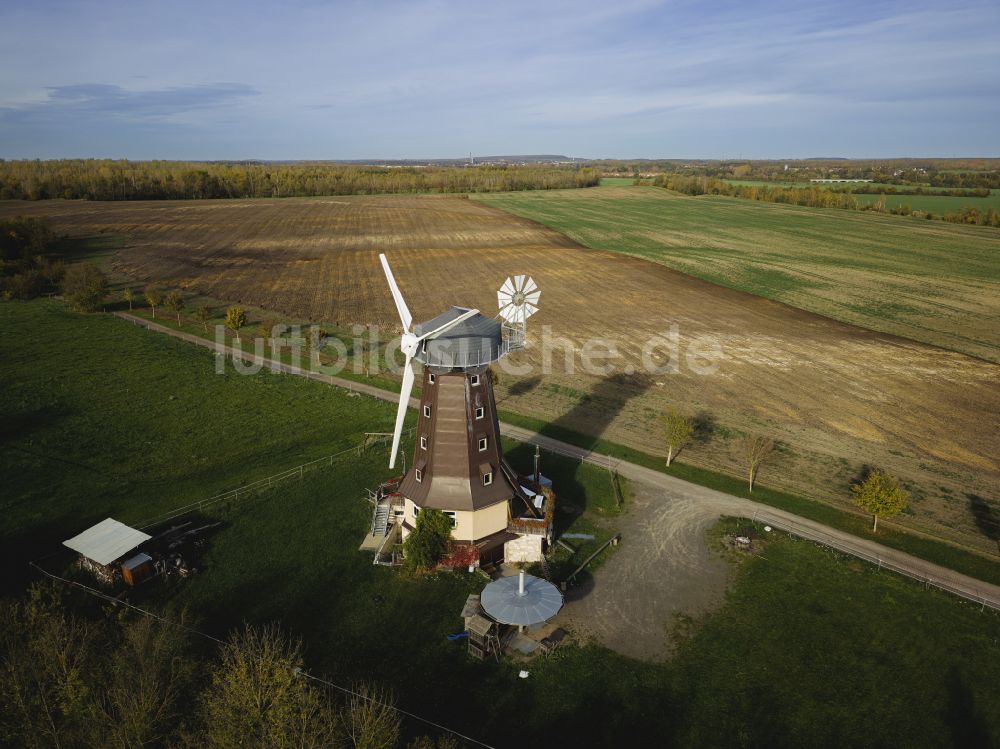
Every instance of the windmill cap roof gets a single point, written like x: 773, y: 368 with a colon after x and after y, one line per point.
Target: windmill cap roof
x: 477, y: 326
x: 474, y: 341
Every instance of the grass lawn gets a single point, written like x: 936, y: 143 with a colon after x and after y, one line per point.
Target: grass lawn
x: 940, y: 552
x: 103, y: 418
x: 930, y: 281
x: 809, y: 649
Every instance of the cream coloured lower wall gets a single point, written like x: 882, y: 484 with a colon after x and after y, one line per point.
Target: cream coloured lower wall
x: 469, y: 525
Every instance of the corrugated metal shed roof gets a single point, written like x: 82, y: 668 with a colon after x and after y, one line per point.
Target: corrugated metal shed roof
x: 107, y: 541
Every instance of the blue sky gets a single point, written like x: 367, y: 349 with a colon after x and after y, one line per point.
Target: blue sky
x: 434, y: 78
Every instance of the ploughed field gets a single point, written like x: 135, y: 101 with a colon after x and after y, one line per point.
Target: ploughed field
x: 931, y: 281
x: 838, y: 397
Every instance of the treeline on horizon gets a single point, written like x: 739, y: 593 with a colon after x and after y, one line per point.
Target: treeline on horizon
x: 105, y: 179
x: 816, y: 197
x: 954, y: 173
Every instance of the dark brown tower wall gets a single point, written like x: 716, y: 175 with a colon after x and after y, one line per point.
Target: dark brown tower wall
x: 451, y: 465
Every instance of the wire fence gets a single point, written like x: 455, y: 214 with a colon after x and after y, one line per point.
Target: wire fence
x: 981, y: 597
x: 254, y: 487
x: 975, y: 596
x: 298, y: 671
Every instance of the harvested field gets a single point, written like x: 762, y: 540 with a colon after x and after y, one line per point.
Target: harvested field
x: 837, y: 396
x: 927, y: 280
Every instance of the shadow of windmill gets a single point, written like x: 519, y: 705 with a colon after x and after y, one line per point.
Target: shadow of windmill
x: 583, y: 424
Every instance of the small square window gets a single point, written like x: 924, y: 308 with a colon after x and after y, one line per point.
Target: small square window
x: 482, y: 444
x: 487, y: 478
x: 480, y: 412
x: 452, y: 516
x: 419, y: 476
x: 431, y: 378
x: 423, y: 442
x: 475, y: 380
x: 427, y: 411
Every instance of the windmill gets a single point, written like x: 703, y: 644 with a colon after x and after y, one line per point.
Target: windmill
x: 458, y: 465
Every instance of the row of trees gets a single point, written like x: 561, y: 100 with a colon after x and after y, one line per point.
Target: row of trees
x: 816, y: 197
x: 88, y: 678
x: 97, y: 179
x: 878, y: 492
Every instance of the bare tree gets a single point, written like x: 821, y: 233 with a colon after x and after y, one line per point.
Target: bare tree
x: 677, y: 430
x: 146, y: 683
x: 175, y: 303
x: 259, y: 699
x: 203, y: 313
x: 371, y: 718
x: 756, y: 449
x: 46, y: 656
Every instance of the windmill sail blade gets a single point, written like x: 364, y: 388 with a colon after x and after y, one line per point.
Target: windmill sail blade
x: 532, y: 298
x: 448, y: 325
x: 404, y: 313
x: 508, y: 287
x: 519, y: 282
x: 404, y: 403
x: 530, y: 286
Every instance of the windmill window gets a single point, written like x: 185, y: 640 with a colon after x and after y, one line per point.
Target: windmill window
x: 419, y: 476
x: 416, y: 510
x: 487, y: 478
x: 423, y: 441
x: 452, y: 516
x: 427, y: 411
x: 480, y: 412
x: 483, y: 444
x: 474, y: 380
x: 431, y: 378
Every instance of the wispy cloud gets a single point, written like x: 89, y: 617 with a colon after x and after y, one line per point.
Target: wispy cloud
x: 107, y: 100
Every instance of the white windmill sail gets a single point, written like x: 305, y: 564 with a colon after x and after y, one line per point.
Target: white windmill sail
x: 409, y: 345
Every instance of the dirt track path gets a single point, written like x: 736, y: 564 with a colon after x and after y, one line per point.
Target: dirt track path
x: 663, y: 533
x: 663, y: 568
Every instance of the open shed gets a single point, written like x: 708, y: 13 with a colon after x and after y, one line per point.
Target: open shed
x: 105, y: 543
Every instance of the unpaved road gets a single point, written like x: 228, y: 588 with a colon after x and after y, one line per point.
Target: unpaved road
x: 662, y: 568
x: 663, y: 548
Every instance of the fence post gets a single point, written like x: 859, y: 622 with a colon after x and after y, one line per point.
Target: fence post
x: 300, y: 471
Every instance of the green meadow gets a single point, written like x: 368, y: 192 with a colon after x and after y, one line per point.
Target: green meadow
x: 808, y: 649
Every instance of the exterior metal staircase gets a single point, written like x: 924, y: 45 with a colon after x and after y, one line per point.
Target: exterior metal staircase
x: 380, y: 518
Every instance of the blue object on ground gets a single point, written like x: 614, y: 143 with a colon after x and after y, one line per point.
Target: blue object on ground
x: 458, y: 635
